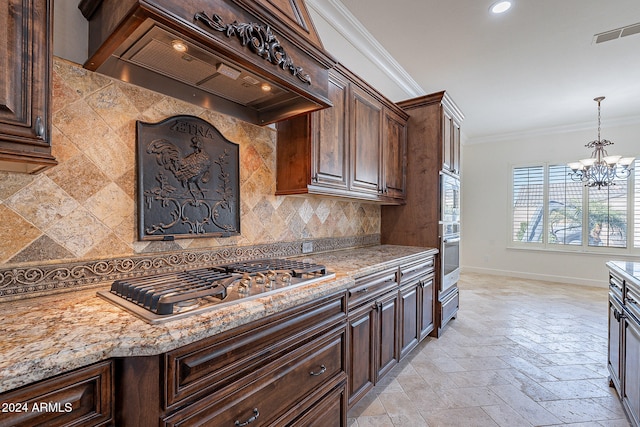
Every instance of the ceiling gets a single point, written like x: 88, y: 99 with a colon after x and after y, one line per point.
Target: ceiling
x: 532, y: 69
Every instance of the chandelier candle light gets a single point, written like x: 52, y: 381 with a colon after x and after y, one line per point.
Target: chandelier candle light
x: 601, y: 169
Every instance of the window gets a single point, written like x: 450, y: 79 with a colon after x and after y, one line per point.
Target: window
x: 551, y: 210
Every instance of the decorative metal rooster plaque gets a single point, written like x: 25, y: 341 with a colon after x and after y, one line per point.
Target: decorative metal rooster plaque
x: 188, y: 180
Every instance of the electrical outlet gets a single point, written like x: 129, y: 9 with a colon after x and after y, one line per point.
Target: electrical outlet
x: 307, y: 247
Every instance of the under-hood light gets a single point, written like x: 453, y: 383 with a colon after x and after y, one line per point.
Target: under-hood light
x: 179, y: 45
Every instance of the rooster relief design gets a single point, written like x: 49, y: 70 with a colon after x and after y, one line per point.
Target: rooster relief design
x: 181, y: 195
x: 192, y: 169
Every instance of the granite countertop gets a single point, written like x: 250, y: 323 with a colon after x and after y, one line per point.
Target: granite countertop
x: 49, y: 335
x: 629, y: 269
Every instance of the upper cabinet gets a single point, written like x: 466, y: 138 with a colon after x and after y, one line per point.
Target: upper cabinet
x: 25, y: 52
x: 355, y: 149
x: 394, y: 144
x: 451, y: 119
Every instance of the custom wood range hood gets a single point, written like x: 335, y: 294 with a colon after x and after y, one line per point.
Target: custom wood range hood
x: 260, y: 61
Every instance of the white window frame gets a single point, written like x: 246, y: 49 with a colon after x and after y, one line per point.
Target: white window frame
x: 630, y: 250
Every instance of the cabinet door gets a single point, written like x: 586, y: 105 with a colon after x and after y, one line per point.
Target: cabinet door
x: 330, y: 145
x: 25, y: 53
x: 631, y: 371
x: 615, y: 311
x: 387, y: 334
x: 394, y: 155
x: 425, y: 299
x: 409, y: 309
x: 361, y: 352
x: 79, y: 398
x: 366, y: 142
x: 447, y: 141
x: 455, y: 147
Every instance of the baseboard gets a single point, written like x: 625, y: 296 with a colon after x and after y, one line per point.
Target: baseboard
x: 534, y: 276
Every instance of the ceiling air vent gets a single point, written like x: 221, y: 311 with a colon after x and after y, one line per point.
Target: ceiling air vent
x: 617, y: 33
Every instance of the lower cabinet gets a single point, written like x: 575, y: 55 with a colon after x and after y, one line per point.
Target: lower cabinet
x: 631, y: 369
x: 83, y: 397
x: 416, y: 303
x: 372, y: 331
x: 624, y: 338
x: 272, y: 372
x: 305, y: 366
x: 389, y: 313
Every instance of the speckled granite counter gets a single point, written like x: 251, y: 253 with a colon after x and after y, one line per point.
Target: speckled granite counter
x: 628, y: 269
x: 50, y: 335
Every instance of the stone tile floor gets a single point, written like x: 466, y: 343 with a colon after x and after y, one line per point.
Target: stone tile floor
x: 520, y: 353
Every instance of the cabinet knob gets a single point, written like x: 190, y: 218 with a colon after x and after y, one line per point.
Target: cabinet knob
x: 39, y: 128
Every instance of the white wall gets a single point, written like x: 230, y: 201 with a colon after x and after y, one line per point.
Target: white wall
x: 486, y: 174
x: 70, y: 31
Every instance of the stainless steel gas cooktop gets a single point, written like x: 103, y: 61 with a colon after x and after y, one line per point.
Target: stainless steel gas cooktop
x: 170, y: 296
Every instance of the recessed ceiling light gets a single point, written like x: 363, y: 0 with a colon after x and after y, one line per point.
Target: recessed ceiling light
x: 500, y: 6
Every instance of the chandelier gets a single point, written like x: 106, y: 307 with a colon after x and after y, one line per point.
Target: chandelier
x: 601, y: 169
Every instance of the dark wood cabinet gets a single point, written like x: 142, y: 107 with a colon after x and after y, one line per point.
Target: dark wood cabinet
x: 355, y: 149
x: 387, y: 334
x: 616, y: 325
x: 426, y: 319
x: 361, y: 360
x: 83, y: 397
x: 372, y: 329
x: 409, y: 306
x: 450, y: 140
x: 25, y: 96
x: 394, y: 156
x: 624, y: 336
x: 366, y: 142
x: 275, y: 371
x: 631, y: 369
x: 331, y: 142
x: 433, y: 145
x: 388, y: 315
x: 416, y: 303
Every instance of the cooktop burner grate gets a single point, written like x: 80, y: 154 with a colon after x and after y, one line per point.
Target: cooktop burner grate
x: 159, y: 293
x: 174, y: 295
x: 296, y: 268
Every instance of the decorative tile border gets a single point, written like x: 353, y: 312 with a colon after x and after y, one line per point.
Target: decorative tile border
x: 30, y: 281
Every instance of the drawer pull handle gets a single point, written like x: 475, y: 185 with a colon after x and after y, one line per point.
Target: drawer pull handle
x: 322, y: 370
x: 250, y: 420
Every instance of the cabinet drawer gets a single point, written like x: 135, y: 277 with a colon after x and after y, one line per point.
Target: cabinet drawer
x: 616, y: 286
x: 230, y: 359
x: 449, y: 307
x: 79, y: 398
x: 421, y: 268
x: 275, y: 390
x: 330, y: 411
x: 369, y: 287
x: 632, y: 302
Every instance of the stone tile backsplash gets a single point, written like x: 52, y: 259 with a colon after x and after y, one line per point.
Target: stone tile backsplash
x: 85, y: 208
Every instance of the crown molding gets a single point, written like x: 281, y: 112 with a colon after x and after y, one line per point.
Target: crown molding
x: 348, y: 26
x: 553, y: 130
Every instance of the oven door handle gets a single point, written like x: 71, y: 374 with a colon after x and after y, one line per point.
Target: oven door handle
x: 451, y: 240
